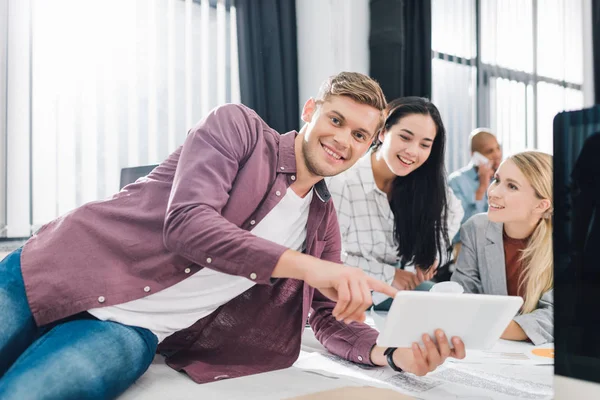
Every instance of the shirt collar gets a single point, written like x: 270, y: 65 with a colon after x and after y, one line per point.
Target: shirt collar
x: 364, y: 168
x: 286, y: 163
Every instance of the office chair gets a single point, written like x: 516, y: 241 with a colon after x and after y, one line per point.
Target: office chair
x: 132, y: 174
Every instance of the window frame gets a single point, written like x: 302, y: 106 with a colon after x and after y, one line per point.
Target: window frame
x: 486, y: 72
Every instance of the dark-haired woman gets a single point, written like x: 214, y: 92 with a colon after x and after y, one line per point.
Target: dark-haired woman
x: 393, y: 206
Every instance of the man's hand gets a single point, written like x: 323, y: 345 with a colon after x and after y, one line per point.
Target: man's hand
x: 350, y: 287
x: 422, y: 360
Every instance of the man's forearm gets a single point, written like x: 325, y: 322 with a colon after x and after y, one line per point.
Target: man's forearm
x: 293, y: 264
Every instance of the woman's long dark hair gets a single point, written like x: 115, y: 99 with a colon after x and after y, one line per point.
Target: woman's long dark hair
x: 418, y: 200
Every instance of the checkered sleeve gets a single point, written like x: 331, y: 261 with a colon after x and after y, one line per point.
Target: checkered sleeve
x: 359, y: 219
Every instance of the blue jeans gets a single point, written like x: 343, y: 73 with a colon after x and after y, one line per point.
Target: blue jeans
x: 76, y: 358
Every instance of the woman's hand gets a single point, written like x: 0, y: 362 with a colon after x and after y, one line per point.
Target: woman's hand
x: 514, y: 332
x: 431, y: 271
x: 406, y: 280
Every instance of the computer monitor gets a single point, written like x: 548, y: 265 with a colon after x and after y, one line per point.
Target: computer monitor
x: 577, y: 254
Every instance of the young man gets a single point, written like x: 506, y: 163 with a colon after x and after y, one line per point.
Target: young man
x: 470, y: 183
x: 215, y: 255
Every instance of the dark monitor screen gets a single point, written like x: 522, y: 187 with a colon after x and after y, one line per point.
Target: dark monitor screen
x: 577, y: 244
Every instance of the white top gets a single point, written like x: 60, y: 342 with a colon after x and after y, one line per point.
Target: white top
x: 181, y: 305
x: 367, y: 221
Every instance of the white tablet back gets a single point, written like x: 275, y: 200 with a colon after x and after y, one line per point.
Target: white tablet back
x: 478, y: 319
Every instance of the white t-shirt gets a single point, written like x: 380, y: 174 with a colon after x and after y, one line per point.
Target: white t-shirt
x: 181, y: 305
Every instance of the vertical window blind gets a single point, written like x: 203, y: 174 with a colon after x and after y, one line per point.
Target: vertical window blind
x: 112, y: 84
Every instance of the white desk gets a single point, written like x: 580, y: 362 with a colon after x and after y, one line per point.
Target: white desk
x: 451, y: 381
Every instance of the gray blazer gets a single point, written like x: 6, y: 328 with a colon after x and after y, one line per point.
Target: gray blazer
x: 481, y: 268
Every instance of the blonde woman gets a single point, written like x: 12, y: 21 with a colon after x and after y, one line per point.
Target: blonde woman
x: 508, y: 251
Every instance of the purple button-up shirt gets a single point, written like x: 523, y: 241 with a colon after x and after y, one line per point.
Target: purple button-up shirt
x: 195, y: 210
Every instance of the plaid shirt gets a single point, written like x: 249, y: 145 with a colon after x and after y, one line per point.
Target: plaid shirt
x: 367, y: 222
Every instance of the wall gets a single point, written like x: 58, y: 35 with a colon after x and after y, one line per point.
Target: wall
x: 333, y: 36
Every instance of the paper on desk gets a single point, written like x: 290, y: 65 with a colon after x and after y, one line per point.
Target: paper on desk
x: 507, y: 352
x: 448, y: 381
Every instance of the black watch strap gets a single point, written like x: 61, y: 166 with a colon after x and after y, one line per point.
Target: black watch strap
x: 389, y: 353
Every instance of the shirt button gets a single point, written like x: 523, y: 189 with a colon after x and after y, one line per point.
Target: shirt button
x: 187, y: 270
x: 101, y: 299
x: 278, y: 193
x: 359, y: 358
x: 209, y: 260
x: 253, y: 276
x: 282, y: 168
x: 252, y: 222
x: 147, y: 289
x: 293, y: 177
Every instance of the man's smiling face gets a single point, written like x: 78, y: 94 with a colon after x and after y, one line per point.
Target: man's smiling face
x: 339, y: 131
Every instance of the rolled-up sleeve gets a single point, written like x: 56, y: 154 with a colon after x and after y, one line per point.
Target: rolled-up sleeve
x: 352, y: 342
x: 208, y: 165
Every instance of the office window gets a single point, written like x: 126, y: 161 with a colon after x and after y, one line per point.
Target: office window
x: 114, y: 83
x: 510, y: 65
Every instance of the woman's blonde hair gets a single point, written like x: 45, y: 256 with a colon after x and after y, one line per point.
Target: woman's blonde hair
x: 537, y: 257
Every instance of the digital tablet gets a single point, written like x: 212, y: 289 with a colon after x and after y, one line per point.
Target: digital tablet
x: 478, y: 319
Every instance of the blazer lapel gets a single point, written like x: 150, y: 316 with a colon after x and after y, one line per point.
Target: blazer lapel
x: 494, y: 265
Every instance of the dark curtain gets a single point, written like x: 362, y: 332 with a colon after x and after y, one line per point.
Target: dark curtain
x: 268, y: 61
x: 596, y: 47
x: 400, y: 47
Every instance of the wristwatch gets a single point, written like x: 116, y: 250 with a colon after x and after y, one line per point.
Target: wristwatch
x: 389, y: 353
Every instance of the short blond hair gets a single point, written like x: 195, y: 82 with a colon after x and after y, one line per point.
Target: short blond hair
x: 359, y: 87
